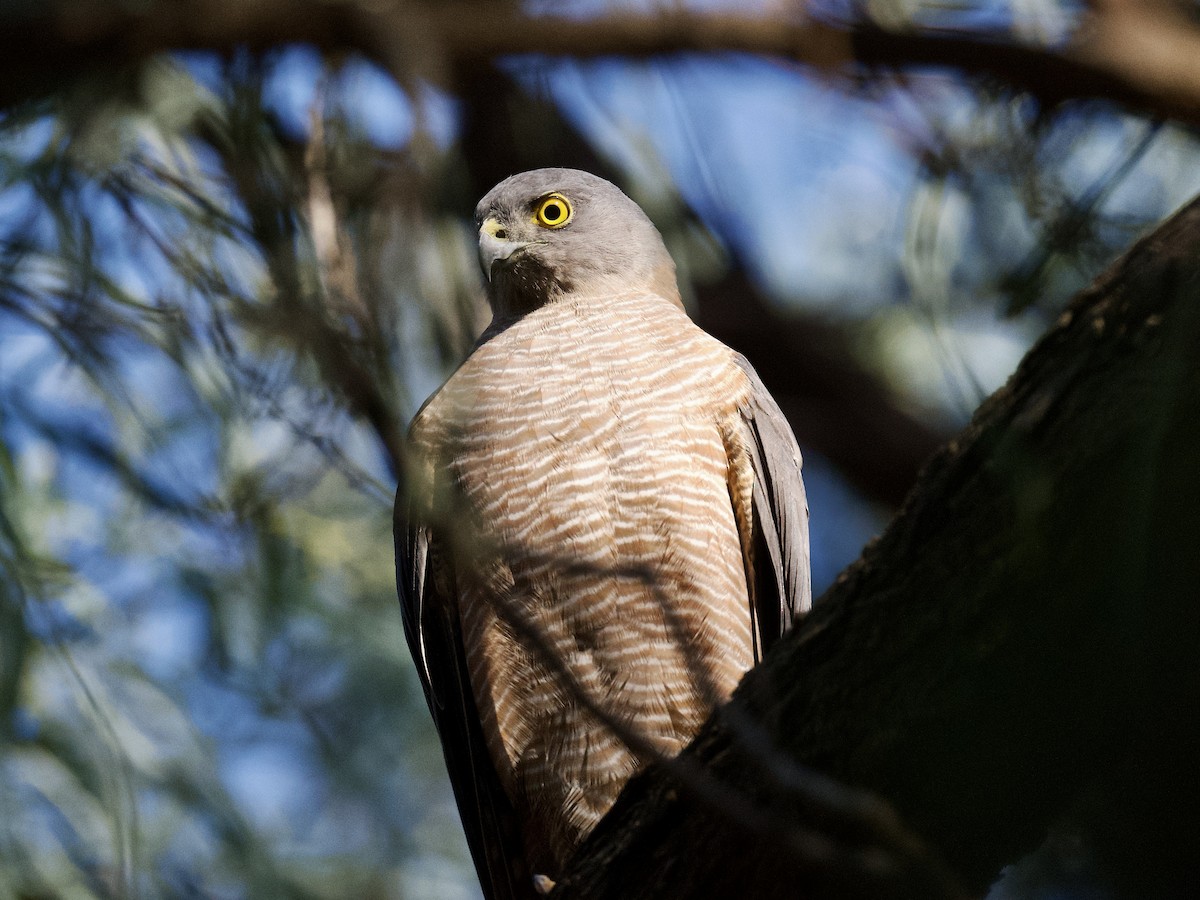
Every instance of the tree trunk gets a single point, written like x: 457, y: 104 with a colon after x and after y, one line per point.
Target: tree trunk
x: 1022, y: 642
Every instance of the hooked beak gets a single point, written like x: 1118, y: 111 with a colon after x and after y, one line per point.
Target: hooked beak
x: 494, y: 249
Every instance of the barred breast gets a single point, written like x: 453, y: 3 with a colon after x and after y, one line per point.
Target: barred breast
x: 598, y: 441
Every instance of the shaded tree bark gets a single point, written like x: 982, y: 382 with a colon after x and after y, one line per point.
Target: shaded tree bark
x: 1019, y: 643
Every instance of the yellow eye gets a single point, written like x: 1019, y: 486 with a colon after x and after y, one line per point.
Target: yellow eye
x: 554, y: 211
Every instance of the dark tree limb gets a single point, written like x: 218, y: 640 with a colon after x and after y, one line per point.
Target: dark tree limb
x: 1138, y: 53
x: 1020, y: 642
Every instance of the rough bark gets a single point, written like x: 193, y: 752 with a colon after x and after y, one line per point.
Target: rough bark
x: 1021, y: 641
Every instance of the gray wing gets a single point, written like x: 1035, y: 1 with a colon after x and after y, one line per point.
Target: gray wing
x: 783, y: 586
x: 434, y: 636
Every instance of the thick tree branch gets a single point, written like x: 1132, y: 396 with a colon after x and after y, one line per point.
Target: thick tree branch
x: 1021, y: 639
x: 1137, y: 54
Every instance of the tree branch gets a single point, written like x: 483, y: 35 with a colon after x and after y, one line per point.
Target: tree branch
x: 1140, y: 55
x: 1022, y: 637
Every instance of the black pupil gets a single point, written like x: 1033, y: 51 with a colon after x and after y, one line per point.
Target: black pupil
x: 552, y: 212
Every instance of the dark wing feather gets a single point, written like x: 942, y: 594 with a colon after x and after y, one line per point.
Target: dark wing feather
x: 783, y: 586
x: 435, y: 641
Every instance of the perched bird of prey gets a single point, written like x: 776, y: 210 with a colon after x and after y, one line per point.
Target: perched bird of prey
x: 605, y: 526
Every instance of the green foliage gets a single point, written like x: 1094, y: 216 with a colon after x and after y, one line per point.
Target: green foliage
x: 203, y: 684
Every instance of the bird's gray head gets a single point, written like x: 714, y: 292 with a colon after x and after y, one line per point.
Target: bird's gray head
x: 551, y: 233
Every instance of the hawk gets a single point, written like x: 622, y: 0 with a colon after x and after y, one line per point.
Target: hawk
x: 605, y: 526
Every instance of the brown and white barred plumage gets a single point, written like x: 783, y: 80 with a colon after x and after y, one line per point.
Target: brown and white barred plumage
x: 614, y: 454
